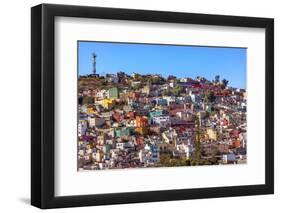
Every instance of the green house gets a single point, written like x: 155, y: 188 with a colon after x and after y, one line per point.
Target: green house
x: 122, y: 132
x: 107, y: 148
x: 155, y: 113
x: 113, y: 93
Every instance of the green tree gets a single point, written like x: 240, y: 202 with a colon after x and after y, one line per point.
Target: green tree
x: 87, y: 100
x: 207, y: 115
x: 165, y: 92
x: 137, y: 76
x: 177, y: 90
x: 210, y: 97
x: 217, y: 79
x: 197, y: 157
x: 155, y: 80
x: 224, y: 83
x: 137, y: 86
x: 171, y: 77
x: 164, y: 159
x: 188, y: 162
x: 193, y: 163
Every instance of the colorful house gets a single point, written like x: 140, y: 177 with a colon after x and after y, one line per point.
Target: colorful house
x: 96, y: 121
x: 122, y: 132
x: 146, y: 89
x: 82, y: 127
x: 91, y: 111
x: 212, y: 134
x: 113, y: 93
x: 155, y: 113
x: 162, y: 102
x: 141, y: 121
x: 141, y: 130
x: 107, y: 103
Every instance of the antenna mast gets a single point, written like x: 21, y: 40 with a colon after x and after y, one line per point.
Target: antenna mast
x: 94, y: 64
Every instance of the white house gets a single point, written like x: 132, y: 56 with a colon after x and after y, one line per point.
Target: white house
x: 169, y: 99
x: 82, y: 127
x: 113, y: 78
x: 143, y: 156
x: 120, y: 145
x: 101, y: 94
x: 162, y: 120
x: 169, y: 136
x: 185, y: 148
x: 94, y: 156
x: 150, y: 154
x: 135, y: 83
x: 228, y: 158
x: 96, y: 121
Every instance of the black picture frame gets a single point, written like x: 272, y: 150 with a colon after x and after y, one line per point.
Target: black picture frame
x: 43, y: 102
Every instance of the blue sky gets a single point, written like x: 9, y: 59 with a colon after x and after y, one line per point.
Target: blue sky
x: 181, y: 61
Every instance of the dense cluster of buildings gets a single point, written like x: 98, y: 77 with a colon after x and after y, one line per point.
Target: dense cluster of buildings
x: 132, y: 121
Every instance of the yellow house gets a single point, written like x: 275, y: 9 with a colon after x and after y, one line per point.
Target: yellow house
x: 99, y: 156
x: 91, y: 111
x: 141, y: 130
x: 212, y: 134
x: 107, y: 103
x: 81, y: 143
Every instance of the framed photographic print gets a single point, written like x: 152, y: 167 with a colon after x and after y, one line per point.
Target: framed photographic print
x: 139, y: 106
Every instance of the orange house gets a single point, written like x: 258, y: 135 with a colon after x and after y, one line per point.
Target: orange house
x: 237, y: 143
x: 141, y: 121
